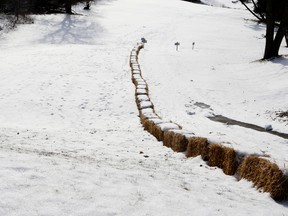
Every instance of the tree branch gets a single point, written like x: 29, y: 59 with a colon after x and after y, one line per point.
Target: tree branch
x: 252, y: 12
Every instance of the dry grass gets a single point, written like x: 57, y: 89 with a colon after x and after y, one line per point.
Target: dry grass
x: 179, y: 143
x: 168, y: 138
x: 157, y: 132
x: 148, y: 125
x: 265, y: 175
x: 222, y: 157
x: 197, y: 146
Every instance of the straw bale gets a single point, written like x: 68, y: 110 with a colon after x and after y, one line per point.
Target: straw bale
x: 230, y: 163
x: 137, y: 76
x: 197, y: 146
x: 215, y: 155
x: 145, y: 104
x: 140, y: 98
x: 142, y: 85
x: 141, y: 92
x: 138, y: 81
x: 147, y: 111
x: 149, y: 116
x: 179, y: 142
x: 133, y: 52
x: 161, y: 127
x: 154, y: 128
x: 168, y: 138
x: 169, y: 126
x: 135, y: 67
x: 148, y: 125
x: 136, y: 72
x: 135, y: 64
x: 265, y: 175
x: 157, y: 132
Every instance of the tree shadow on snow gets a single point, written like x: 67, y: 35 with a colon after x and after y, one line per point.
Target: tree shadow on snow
x: 73, y: 29
x: 282, y: 60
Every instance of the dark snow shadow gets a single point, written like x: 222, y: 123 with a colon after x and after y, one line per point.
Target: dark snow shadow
x: 73, y: 29
x: 283, y: 60
x: 228, y: 121
x: 255, y: 26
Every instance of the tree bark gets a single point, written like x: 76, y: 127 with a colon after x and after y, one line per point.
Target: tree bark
x: 281, y: 31
x: 68, y: 7
x: 269, y: 30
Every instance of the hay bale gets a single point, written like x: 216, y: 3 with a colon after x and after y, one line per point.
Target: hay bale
x: 152, y: 127
x: 179, y: 142
x: 147, y: 112
x: 161, y: 127
x: 149, y: 116
x: 148, y: 125
x: 136, y: 72
x: 137, y: 76
x: 142, y: 85
x: 230, y: 163
x: 138, y: 81
x: 168, y: 138
x: 141, y: 98
x: 222, y: 157
x: 145, y: 105
x: 157, y: 132
x: 265, y: 175
x: 215, y: 155
x: 197, y: 146
x: 141, y: 92
x: 135, y: 67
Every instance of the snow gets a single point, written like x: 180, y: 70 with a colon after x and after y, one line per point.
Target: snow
x: 71, y: 139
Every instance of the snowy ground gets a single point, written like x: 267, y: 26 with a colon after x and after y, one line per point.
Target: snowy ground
x: 71, y: 141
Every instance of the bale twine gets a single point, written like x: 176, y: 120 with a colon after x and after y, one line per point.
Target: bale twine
x: 265, y: 175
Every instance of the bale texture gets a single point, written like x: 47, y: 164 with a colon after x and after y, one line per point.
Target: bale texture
x: 168, y: 138
x: 265, y: 175
x: 179, y: 142
x: 197, y: 146
x: 222, y: 157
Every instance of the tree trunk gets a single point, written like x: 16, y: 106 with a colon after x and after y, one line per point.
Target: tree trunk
x: 282, y: 31
x: 286, y: 37
x: 68, y: 7
x: 269, y: 30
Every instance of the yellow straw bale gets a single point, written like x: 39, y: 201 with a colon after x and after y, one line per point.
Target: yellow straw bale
x: 222, y: 157
x: 265, y: 175
x: 230, y: 163
x: 197, y: 146
x: 157, y: 132
x: 179, y: 142
x: 168, y: 138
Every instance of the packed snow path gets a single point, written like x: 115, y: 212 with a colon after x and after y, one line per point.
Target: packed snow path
x: 70, y: 140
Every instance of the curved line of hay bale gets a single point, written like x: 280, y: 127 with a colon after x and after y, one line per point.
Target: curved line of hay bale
x: 263, y: 173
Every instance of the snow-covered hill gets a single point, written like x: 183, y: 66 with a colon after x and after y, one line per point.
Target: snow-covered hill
x: 71, y: 140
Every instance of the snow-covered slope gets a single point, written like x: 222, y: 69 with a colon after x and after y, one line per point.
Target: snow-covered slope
x: 71, y: 140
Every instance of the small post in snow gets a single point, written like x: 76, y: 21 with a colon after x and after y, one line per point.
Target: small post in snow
x: 193, y: 44
x: 177, y: 44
